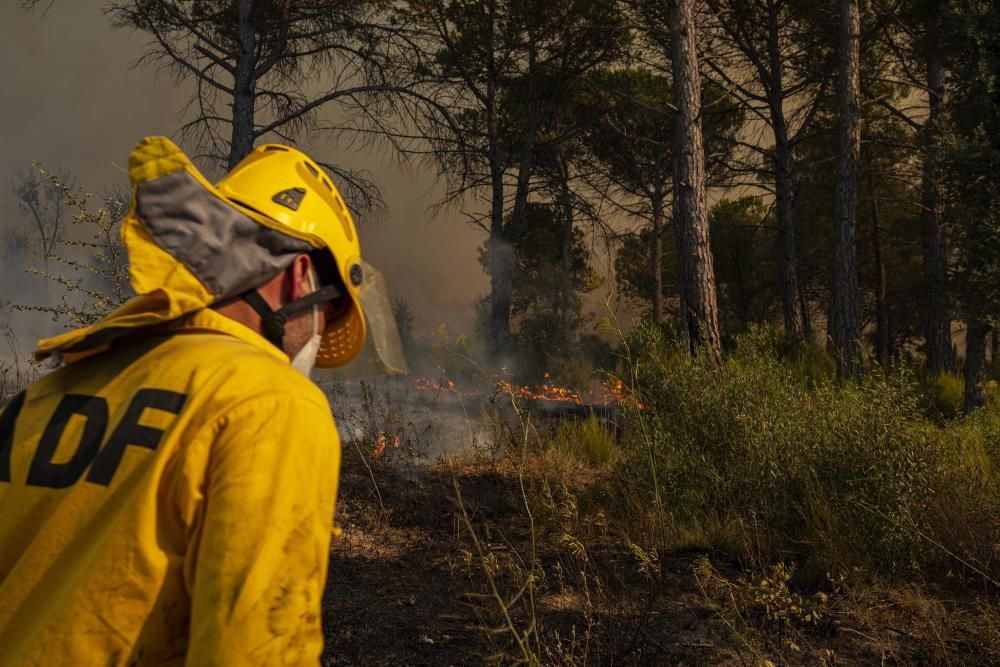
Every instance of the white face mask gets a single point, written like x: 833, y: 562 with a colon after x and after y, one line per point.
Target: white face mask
x: 305, y: 359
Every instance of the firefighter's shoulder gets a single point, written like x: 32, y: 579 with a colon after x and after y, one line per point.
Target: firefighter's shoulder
x: 234, y: 370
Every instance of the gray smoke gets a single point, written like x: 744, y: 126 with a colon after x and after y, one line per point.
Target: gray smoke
x: 74, y: 101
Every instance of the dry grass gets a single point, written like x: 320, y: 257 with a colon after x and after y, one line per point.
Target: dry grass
x: 16, y: 372
x: 532, y: 552
x: 760, y: 517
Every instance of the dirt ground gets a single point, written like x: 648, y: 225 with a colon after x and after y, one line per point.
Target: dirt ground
x: 399, y: 594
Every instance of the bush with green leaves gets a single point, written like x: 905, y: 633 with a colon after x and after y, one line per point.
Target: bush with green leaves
x: 944, y: 394
x: 586, y: 438
x: 754, y: 457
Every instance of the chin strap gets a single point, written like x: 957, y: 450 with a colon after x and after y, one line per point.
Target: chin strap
x: 272, y: 322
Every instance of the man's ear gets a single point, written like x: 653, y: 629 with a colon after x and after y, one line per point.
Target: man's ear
x: 298, y: 277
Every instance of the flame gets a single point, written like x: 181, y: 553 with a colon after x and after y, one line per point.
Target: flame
x: 381, y: 441
x: 546, y: 392
x: 611, y: 390
x: 429, y: 384
x: 605, y: 392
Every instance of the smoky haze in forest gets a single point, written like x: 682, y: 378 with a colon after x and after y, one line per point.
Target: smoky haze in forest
x: 74, y: 100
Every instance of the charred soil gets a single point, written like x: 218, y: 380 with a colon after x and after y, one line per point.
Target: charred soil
x: 409, y: 584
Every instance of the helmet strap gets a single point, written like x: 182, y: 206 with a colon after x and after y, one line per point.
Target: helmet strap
x: 272, y: 322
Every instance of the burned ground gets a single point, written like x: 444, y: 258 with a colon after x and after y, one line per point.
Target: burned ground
x: 408, y: 587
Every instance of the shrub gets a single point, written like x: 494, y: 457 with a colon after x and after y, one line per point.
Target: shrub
x: 16, y: 372
x: 447, y: 357
x: 585, y: 437
x: 811, y: 363
x: 755, y: 459
x: 91, y: 272
x: 944, y: 394
x: 577, y: 364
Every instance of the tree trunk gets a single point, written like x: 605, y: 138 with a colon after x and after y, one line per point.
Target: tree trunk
x: 807, y: 326
x: 658, y: 299
x: 502, y: 260
x: 521, y: 188
x: 526, y: 147
x: 700, y: 316
x: 497, y: 246
x: 566, y: 251
x: 938, y: 319
x: 883, y: 349
x: 504, y: 256
x: 787, y: 253
x: 975, y: 364
x: 845, y: 330
x: 244, y: 86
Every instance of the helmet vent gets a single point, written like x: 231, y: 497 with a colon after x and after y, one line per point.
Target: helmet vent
x: 245, y: 205
x: 276, y: 148
x: 290, y: 198
x: 312, y: 170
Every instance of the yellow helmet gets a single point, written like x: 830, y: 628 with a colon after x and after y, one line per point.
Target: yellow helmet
x: 294, y: 196
x: 192, y: 244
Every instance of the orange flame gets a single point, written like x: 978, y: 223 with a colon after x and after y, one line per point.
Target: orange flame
x: 381, y: 441
x: 547, y: 392
x: 429, y: 384
x: 604, y: 392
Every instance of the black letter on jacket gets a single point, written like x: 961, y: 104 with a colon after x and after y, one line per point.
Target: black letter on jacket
x: 43, y: 471
x: 131, y: 432
x: 7, y: 420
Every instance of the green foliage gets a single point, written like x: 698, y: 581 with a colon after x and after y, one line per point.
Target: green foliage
x: 626, y: 114
x: 451, y: 357
x: 945, y: 394
x: 626, y: 118
x: 973, y: 155
x: 539, y: 338
x: 577, y: 366
x: 545, y: 280
x: 543, y: 347
x: 586, y: 438
x: 811, y: 364
x: 634, y: 272
x: 887, y: 188
x: 742, y: 244
x: 751, y: 458
x: 548, y: 285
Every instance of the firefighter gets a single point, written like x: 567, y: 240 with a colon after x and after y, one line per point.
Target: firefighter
x: 168, y: 491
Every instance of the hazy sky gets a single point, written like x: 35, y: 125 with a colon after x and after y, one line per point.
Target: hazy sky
x: 72, y: 99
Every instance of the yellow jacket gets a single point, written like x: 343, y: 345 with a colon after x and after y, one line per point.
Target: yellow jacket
x: 167, y: 501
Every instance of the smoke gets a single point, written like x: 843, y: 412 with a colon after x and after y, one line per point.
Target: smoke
x: 74, y: 100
